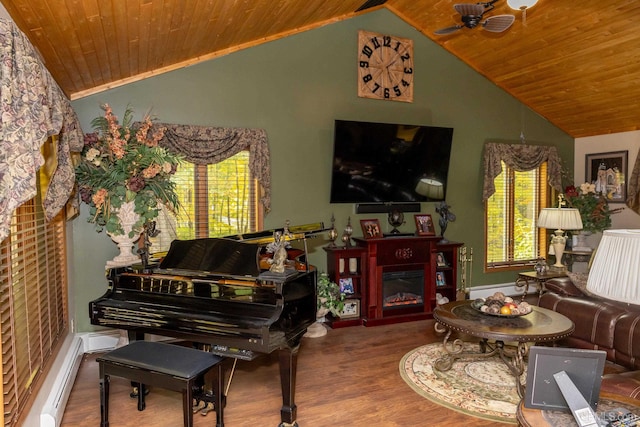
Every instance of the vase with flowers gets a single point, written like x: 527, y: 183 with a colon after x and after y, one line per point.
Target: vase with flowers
x: 594, y: 209
x: 125, y: 177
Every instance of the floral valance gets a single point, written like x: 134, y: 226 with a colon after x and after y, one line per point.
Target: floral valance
x: 522, y: 158
x: 206, y: 145
x: 33, y: 108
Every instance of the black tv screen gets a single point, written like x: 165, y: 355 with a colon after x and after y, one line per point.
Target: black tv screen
x: 383, y: 162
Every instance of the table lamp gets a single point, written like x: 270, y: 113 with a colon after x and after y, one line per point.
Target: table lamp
x: 560, y: 219
x: 430, y: 188
x: 614, y: 273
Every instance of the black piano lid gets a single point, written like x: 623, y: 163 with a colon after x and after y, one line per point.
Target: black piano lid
x: 217, y: 255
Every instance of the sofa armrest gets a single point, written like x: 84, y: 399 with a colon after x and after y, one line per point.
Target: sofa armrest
x: 563, y: 286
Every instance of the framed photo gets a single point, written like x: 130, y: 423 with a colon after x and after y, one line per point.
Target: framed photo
x: 351, y: 309
x: 441, y: 261
x: 424, y: 225
x: 371, y: 228
x: 440, y: 279
x: 608, y: 172
x: 346, y: 285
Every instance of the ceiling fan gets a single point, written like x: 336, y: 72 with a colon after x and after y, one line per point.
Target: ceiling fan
x: 472, y: 16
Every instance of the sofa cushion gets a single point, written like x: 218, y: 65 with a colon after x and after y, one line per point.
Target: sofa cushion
x: 594, y: 319
x: 627, y: 339
x: 563, y: 286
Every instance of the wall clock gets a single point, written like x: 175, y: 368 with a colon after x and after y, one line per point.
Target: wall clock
x: 385, y: 67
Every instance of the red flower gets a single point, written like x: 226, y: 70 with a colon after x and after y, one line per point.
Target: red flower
x: 135, y: 184
x: 571, y: 191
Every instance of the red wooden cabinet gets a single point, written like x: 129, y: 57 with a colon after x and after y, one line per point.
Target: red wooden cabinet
x: 401, y: 277
x: 347, y: 267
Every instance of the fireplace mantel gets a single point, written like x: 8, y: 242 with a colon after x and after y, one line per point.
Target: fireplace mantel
x: 410, y: 254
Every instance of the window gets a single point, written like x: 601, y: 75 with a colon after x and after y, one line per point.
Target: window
x: 33, y: 303
x: 512, y: 238
x: 216, y: 200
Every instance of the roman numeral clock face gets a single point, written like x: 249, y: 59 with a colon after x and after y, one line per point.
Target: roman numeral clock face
x: 385, y: 67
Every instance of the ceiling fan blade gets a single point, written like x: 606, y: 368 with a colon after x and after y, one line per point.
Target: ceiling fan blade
x: 448, y: 30
x: 498, y: 23
x: 468, y: 9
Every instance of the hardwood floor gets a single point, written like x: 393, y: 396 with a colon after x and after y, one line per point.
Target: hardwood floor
x: 350, y: 377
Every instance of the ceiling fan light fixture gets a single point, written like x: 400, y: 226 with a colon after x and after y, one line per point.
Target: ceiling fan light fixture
x: 521, y: 4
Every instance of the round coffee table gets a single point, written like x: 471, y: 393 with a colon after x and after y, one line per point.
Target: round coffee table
x: 541, y: 325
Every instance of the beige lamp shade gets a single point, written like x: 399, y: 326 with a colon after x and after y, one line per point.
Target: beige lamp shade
x: 615, y: 272
x: 430, y: 188
x: 560, y: 219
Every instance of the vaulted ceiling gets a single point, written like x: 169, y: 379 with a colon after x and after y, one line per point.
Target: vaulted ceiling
x: 576, y: 63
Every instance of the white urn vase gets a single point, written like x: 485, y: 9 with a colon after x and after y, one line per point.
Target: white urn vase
x: 317, y: 329
x: 128, y: 218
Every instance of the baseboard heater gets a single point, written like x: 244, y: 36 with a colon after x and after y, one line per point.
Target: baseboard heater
x: 53, y: 409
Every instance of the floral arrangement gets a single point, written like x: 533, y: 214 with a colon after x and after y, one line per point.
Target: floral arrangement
x: 330, y: 297
x: 593, y: 207
x: 118, y: 165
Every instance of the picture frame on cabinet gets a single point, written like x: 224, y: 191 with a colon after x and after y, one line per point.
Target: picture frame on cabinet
x: 424, y: 225
x: 371, y: 228
x: 346, y: 286
x: 351, y: 309
x: 440, y: 279
x: 608, y: 172
x: 441, y: 261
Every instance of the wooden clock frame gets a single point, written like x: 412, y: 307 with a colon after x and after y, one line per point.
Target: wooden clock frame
x: 385, y: 67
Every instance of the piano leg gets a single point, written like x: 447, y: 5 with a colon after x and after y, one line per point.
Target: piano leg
x: 288, y: 361
x: 135, y: 387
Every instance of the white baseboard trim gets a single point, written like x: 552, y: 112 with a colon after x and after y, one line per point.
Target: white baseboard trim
x: 100, y: 341
x: 48, y: 406
x: 488, y: 290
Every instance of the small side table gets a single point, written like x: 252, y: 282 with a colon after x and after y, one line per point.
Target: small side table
x: 571, y: 257
x: 538, y: 279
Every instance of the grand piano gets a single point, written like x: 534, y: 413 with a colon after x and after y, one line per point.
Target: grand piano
x: 217, y: 292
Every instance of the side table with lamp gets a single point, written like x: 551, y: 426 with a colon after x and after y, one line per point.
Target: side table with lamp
x: 560, y: 219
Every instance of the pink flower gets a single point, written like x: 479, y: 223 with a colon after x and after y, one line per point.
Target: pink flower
x: 99, y: 198
x: 151, y: 171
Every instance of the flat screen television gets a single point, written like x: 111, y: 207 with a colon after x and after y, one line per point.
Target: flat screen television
x: 383, y: 162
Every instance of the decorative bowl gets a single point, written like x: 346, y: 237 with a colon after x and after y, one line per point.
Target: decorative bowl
x: 501, y: 315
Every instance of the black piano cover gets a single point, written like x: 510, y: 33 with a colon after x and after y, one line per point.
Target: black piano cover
x: 222, y: 256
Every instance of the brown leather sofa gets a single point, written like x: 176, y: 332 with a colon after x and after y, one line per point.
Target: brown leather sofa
x: 601, y: 325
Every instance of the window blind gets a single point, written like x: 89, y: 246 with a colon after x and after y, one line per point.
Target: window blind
x: 33, y: 303
x: 216, y: 200
x: 512, y: 236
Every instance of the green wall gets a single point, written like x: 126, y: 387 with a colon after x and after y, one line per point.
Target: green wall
x: 295, y: 88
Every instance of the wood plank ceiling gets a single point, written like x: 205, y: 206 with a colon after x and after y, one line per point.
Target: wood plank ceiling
x: 573, y: 62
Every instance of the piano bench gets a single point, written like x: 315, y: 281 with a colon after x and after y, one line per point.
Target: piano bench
x: 168, y: 366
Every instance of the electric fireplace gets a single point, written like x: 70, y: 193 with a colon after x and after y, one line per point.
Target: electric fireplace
x: 402, y: 289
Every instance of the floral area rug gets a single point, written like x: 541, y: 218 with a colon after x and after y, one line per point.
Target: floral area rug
x: 483, y: 388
